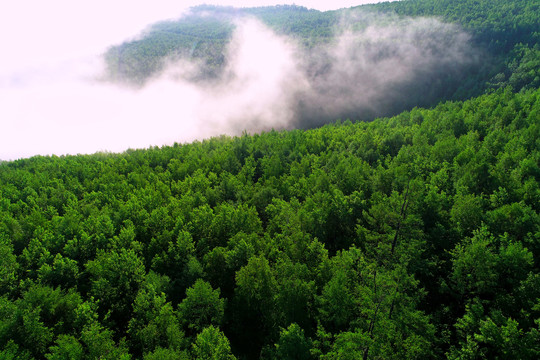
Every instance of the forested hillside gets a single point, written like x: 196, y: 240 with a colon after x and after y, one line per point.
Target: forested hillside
x: 203, y: 35
x: 415, y: 236
x: 506, y: 34
x: 508, y: 30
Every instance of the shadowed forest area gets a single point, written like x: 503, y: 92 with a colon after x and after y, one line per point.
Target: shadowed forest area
x: 411, y: 236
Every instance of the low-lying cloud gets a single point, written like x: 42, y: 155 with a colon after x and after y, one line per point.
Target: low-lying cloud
x: 269, y: 81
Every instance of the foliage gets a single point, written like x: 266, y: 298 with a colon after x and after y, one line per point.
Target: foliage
x: 414, y: 236
x: 408, y: 237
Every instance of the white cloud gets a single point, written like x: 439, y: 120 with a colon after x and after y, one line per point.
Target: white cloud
x: 49, y: 102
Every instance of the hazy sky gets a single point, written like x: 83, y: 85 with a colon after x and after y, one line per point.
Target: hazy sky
x: 49, y: 103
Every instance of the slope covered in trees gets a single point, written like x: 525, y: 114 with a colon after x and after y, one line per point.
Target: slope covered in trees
x: 506, y: 33
x: 416, y: 236
x: 508, y: 30
x: 203, y: 35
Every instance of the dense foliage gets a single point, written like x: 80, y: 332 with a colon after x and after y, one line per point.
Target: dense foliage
x: 410, y: 237
x: 416, y: 236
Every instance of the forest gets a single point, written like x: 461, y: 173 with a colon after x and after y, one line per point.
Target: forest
x: 412, y: 236
x: 506, y: 32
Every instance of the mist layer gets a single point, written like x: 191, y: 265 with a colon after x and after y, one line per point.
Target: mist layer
x: 371, y: 68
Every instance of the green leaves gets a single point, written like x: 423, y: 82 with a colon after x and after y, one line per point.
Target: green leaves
x: 8, y: 267
x: 494, y: 336
x: 405, y: 238
x: 211, y: 344
x: 293, y: 344
x: 154, y: 323
x: 67, y: 347
x: 116, y: 278
x: 483, y: 266
x: 202, y: 307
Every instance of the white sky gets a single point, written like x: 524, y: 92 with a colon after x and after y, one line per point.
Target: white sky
x: 49, y: 50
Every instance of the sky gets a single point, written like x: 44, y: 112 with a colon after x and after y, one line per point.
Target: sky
x: 50, y: 102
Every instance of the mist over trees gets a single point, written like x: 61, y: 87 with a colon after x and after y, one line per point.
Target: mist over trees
x: 449, y: 51
x: 413, y: 236
x: 345, y: 64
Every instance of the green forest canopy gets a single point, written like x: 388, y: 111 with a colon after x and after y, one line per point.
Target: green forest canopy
x: 415, y: 236
x: 410, y: 237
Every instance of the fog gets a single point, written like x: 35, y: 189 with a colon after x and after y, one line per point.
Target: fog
x: 391, y: 65
x: 269, y: 81
x: 376, y: 65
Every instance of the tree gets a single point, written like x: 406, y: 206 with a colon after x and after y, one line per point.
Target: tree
x: 485, y: 267
x: 293, y: 344
x: 296, y: 292
x: 179, y: 263
x: 212, y: 344
x: 254, y: 304
x: 201, y: 308
x: 8, y: 267
x: 166, y: 354
x: 99, y: 344
x: 116, y: 278
x: 67, y: 348
x: 493, y: 337
x: 154, y: 323
x: 349, y: 346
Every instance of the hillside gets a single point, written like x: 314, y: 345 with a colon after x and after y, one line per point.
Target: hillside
x: 415, y: 236
x: 505, y: 34
x: 411, y: 236
x: 203, y: 34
